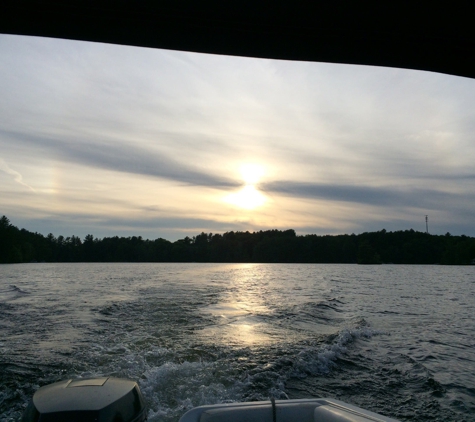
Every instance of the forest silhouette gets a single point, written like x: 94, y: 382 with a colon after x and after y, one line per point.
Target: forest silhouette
x: 270, y: 246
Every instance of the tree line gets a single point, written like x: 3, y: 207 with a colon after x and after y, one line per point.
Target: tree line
x: 270, y: 246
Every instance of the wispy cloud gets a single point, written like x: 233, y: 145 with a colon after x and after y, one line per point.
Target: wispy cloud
x: 375, y: 196
x: 16, y: 175
x: 121, y: 157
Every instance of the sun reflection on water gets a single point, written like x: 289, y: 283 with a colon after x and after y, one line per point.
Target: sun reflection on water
x: 243, y: 313
x: 238, y: 324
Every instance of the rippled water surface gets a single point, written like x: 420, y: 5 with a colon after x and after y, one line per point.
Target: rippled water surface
x: 398, y: 340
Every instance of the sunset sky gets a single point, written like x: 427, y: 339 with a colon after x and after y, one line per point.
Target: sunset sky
x: 113, y: 140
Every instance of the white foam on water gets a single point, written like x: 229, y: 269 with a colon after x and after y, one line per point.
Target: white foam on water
x: 171, y: 384
x: 173, y: 388
x: 321, y: 360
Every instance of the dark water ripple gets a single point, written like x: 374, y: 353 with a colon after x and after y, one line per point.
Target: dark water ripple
x: 393, y: 339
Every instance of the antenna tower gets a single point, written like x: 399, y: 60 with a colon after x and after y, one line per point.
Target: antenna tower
x: 427, y: 224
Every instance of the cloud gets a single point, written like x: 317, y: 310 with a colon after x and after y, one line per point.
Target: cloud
x: 375, y: 196
x: 17, y: 176
x: 184, y: 223
x: 122, y: 158
x: 384, y: 146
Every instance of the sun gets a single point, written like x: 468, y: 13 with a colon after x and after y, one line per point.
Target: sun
x: 248, y: 197
x: 251, y: 173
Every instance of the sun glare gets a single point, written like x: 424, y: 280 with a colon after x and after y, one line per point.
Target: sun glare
x: 251, y: 173
x: 248, y: 197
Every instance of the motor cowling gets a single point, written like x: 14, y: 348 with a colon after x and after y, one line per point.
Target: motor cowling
x: 103, y: 399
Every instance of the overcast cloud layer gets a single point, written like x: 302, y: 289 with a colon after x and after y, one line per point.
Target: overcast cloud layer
x: 115, y: 140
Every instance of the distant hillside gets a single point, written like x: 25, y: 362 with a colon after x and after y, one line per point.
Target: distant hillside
x: 401, y: 247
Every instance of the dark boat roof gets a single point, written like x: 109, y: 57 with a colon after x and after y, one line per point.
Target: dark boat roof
x: 415, y: 35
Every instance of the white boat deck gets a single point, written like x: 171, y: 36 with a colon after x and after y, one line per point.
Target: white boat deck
x: 302, y: 410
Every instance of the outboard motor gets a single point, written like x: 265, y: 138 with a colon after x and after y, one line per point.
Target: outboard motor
x: 87, y: 400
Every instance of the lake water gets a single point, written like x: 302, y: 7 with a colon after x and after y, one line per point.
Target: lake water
x: 397, y: 340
